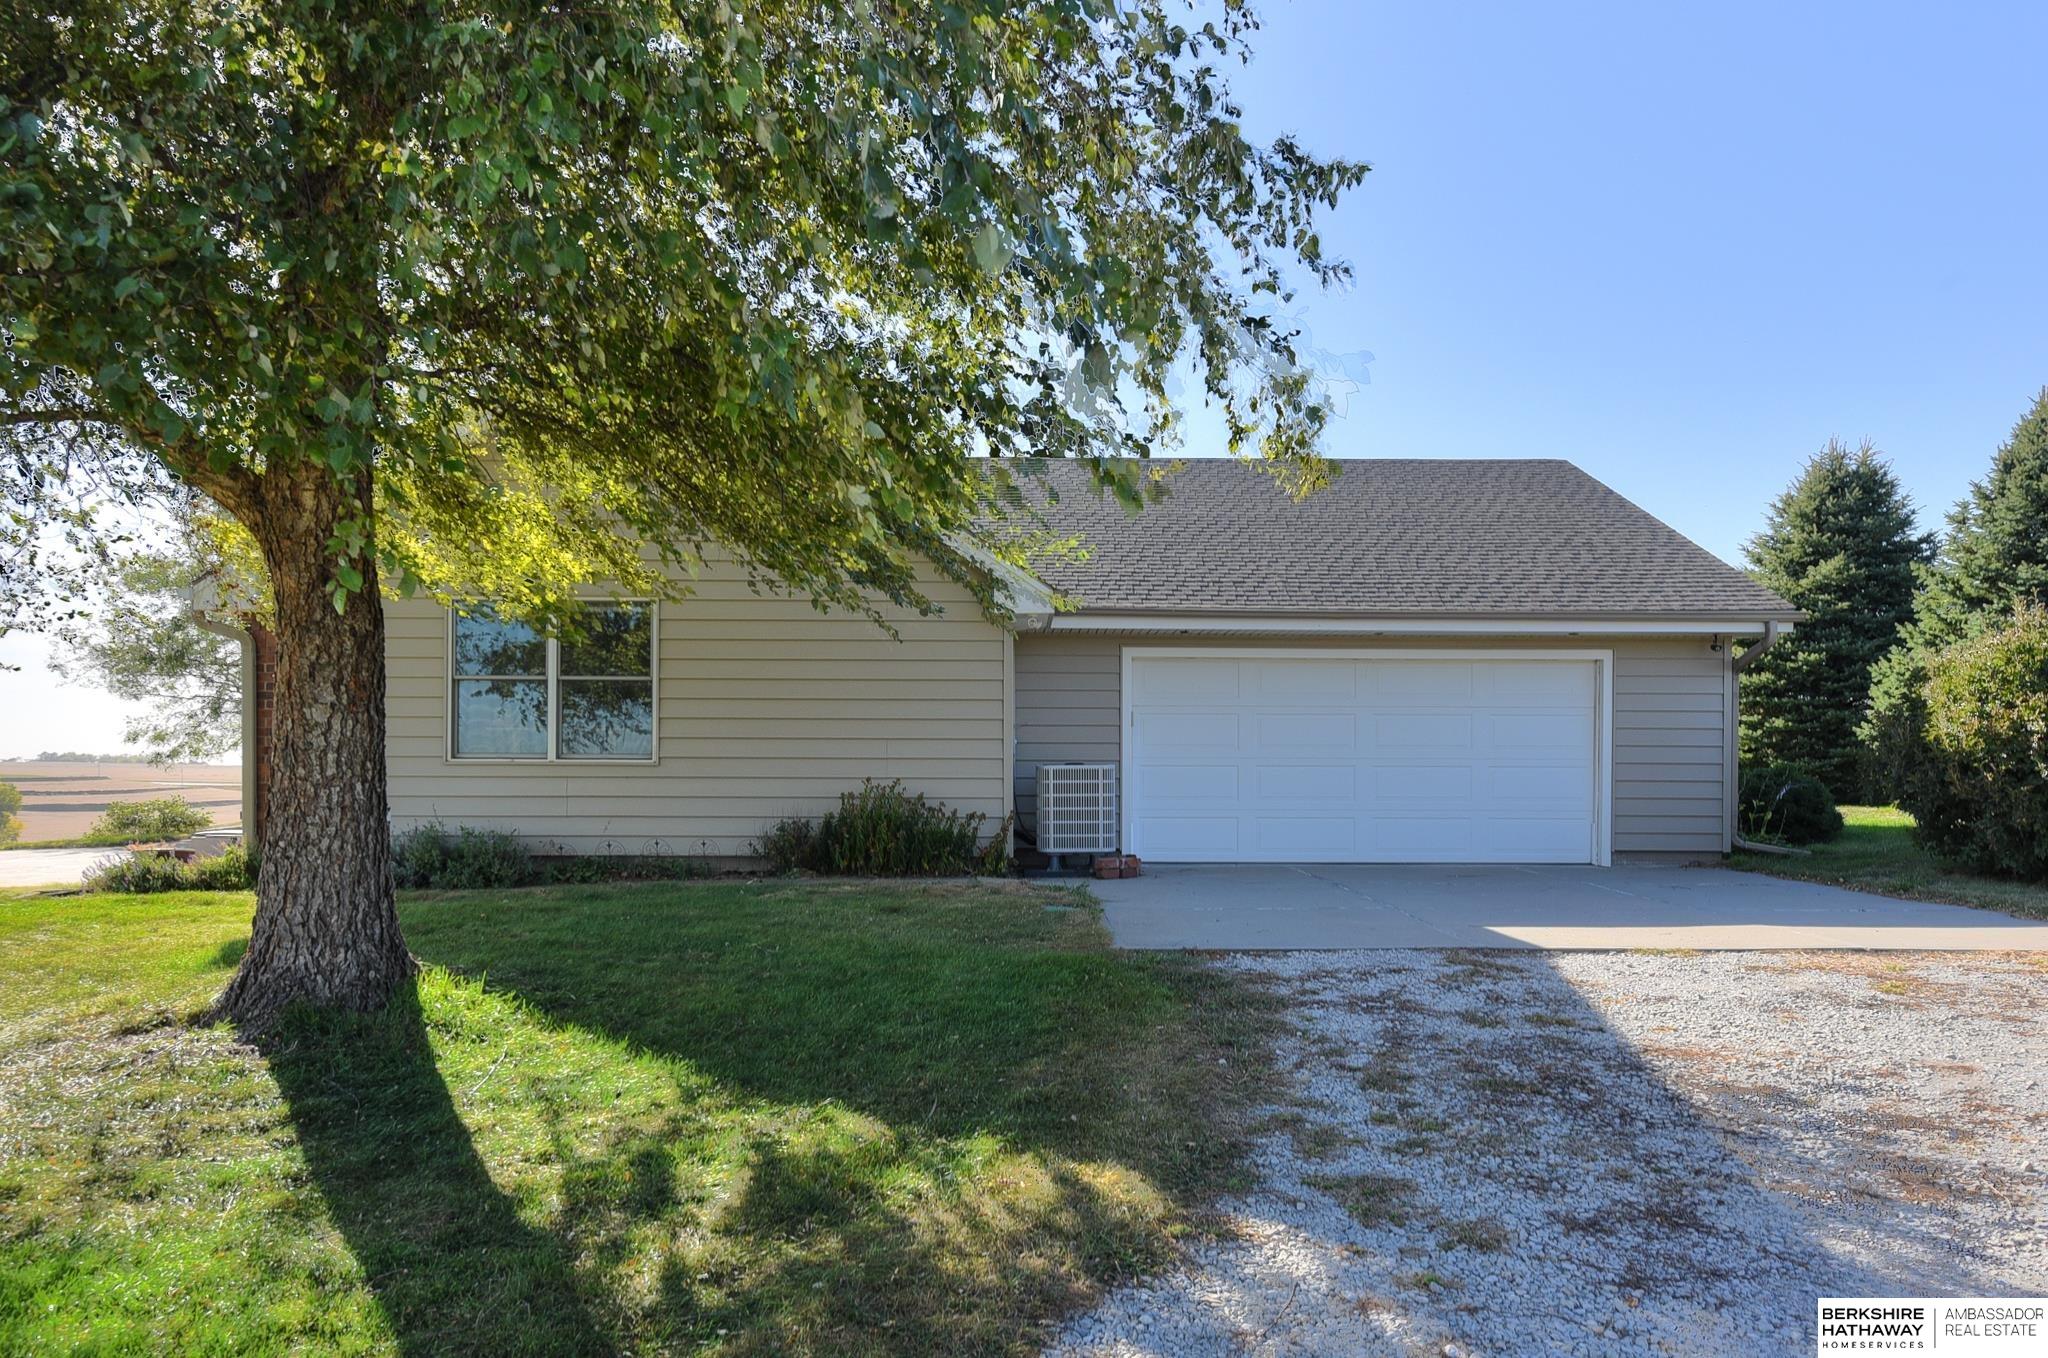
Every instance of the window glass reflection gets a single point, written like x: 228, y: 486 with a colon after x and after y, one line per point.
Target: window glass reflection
x: 606, y: 719
x: 501, y: 718
x: 616, y: 640
x: 487, y: 644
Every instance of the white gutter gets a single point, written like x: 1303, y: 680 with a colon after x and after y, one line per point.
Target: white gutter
x: 1736, y: 665
x: 1282, y: 624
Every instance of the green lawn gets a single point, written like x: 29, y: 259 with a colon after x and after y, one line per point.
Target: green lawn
x: 1876, y: 852
x: 724, y: 1118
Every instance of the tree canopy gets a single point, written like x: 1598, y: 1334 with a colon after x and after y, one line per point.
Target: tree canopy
x: 497, y: 300
x: 1840, y: 544
x: 763, y: 275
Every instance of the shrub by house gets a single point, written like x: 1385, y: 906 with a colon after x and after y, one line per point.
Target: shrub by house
x: 1970, y: 748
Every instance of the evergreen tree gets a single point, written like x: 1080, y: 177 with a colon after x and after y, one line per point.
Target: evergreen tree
x: 1993, y: 560
x: 1840, y: 544
x: 1995, y: 557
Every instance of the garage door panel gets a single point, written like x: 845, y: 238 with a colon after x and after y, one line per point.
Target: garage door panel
x: 1409, y: 839
x: 1315, y: 681
x: 1545, y: 839
x: 1306, y: 782
x: 1423, y: 731
x: 1306, y: 731
x: 1170, y: 733
x: 1306, y: 837
x: 1562, y: 787
x: 1521, y: 731
x: 1207, y: 837
x: 1539, y: 683
x: 1418, y: 683
x: 1346, y: 759
x: 1167, y: 784
x: 1186, y: 681
x: 1398, y: 783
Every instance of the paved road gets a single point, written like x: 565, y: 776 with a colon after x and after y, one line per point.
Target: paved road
x: 47, y: 867
x: 1276, y: 906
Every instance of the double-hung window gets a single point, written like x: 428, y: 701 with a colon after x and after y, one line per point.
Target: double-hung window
x: 517, y: 694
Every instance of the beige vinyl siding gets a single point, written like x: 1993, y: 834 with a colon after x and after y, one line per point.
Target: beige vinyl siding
x: 764, y: 708
x: 1670, y: 748
x: 1670, y: 736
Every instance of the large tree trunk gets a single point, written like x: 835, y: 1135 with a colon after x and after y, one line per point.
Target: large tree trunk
x: 326, y: 930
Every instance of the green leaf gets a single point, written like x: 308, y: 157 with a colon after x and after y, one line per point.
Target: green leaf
x: 1097, y: 366
x: 991, y: 251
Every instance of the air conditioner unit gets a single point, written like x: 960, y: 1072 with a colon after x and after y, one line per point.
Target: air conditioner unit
x: 1077, y: 808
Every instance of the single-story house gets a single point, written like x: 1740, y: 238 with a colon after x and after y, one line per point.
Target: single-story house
x: 1428, y: 661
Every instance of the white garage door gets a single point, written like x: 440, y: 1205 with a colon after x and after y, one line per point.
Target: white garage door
x: 1299, y: 759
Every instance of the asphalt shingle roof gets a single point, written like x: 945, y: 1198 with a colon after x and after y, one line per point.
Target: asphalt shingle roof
x: 1389, y: 537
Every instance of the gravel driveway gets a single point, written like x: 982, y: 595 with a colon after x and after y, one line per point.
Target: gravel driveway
x: 1494, y: 1153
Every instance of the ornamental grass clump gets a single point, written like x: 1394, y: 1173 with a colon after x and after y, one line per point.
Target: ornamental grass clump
x: 138, y: 874
x: 881, y: 830
x: 431, y: 857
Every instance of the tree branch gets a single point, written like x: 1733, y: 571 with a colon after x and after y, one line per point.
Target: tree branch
x: 76, y: 415
x: 233, y: 488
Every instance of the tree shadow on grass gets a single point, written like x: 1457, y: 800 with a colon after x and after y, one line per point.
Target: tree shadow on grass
x: 828, y: 1233
x: 815, y: 1254
x: 452, y: 1265
x: 898, y: 1124
x: 891, y: 1009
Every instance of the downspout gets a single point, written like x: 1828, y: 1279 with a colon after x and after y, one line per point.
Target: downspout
x: 1736, y: 665
x: 206, y: 623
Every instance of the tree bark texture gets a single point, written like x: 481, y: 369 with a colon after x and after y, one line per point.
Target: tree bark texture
x: 326, y: 931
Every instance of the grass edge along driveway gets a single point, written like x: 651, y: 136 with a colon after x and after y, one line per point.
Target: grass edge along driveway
x: 725, y: 1117
x: 1876, y: 852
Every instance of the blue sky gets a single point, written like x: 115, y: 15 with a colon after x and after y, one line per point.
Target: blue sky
x: 1679, y: 246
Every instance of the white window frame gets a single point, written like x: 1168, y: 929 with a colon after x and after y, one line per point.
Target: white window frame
x: 553, y: 677
x: 1603, y: 708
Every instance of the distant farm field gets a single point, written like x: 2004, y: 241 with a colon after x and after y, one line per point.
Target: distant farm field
x: 61, y: 801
